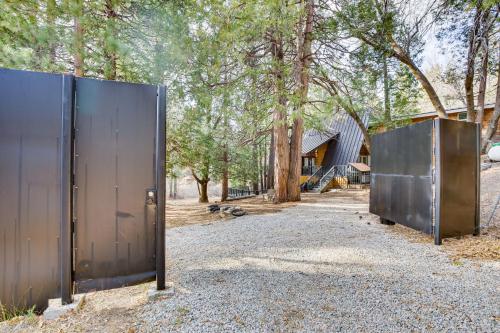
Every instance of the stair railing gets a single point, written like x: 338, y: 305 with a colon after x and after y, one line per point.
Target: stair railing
x: 334, y: 172
x: 314, y: 179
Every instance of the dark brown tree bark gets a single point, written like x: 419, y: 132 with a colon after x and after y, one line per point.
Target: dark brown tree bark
x: 280, y: 123
x: 203, y: 192
x: 304, y: 58
x: 493, y: 123
x: 202, y: 184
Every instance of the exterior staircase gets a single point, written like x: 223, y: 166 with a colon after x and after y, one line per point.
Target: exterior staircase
x: 320, y: 180
x: 323, y: 183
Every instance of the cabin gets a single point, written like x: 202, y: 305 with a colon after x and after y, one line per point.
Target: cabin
x: 461, y: 114
x: 337, y: 157
x: 334, y: 156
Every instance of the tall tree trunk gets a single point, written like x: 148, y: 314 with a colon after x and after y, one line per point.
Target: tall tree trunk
x: 482, y: 84
x: 255, y: 176
x: 304, y: 57
x: 471, y: 62
x: 493, y: 123
x: 387, y: 102
x: 270, y: 164
x: 79, y: 46
x: 109, y: 47
x: 202, y: 184
x: 262, y: 165
x: 203, y: 191
x: 280, y: 124
x: 225, y: 175
x: 402, y: 56
x: 281, y: 152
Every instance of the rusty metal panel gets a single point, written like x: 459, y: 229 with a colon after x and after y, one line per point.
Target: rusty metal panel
x: 458, y: 173
x: 114, y: 171
x: 31, y: 106
x: 401, y: 177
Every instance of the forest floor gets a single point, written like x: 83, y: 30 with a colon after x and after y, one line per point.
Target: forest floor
x: 324, y: 264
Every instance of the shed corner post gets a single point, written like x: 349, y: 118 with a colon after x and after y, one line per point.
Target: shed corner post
x: 160, y: 185
x: 66, y: 179
x: 477, y: 226
x: 437, y: 181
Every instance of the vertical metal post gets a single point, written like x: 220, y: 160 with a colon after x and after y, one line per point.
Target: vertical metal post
x: 437, y: 181
x: 477, y: 174
x: 160, y: 186
x: 65, y: 187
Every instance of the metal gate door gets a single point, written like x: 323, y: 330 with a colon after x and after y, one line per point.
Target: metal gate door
x: 115, y: 181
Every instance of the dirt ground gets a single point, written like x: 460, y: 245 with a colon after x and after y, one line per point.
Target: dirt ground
x: 190, y: 211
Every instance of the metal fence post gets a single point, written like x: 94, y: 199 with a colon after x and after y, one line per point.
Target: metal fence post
x: 160, y: 186
x: 477, y: 228
x: 437, y: 182
x: 66, y: 156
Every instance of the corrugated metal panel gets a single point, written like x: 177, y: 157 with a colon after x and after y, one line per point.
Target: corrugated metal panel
x: 30, y: 203
x: 115, y: 167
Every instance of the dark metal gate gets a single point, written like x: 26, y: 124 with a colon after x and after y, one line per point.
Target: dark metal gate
x: 82, y: 185
x: 426, y: 176
x: 115, y: 130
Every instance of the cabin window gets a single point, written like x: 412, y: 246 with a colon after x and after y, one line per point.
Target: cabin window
x: 308, y: 165
x: 364, y: 159
x: 308, y: 161
x: 462, y: 116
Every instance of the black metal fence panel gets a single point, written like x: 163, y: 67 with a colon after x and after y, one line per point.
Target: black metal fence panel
x: 82, y: 172
x: 30, y: 150
x: 114, y: 173
x: 458, y: 173
x: 401, y: 176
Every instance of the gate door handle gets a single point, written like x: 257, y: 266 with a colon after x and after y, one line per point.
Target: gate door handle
x: 151, y: 196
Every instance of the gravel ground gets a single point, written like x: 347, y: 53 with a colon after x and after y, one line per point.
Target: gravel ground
x: 324, y: 265
x: 321, y: 266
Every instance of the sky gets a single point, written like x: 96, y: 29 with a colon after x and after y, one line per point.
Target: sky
x: 432, y: 54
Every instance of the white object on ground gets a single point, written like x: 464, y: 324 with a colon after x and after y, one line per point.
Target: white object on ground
x: 494, y: 153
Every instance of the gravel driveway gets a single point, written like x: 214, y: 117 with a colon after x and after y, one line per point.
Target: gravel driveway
x: 321, y: 266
